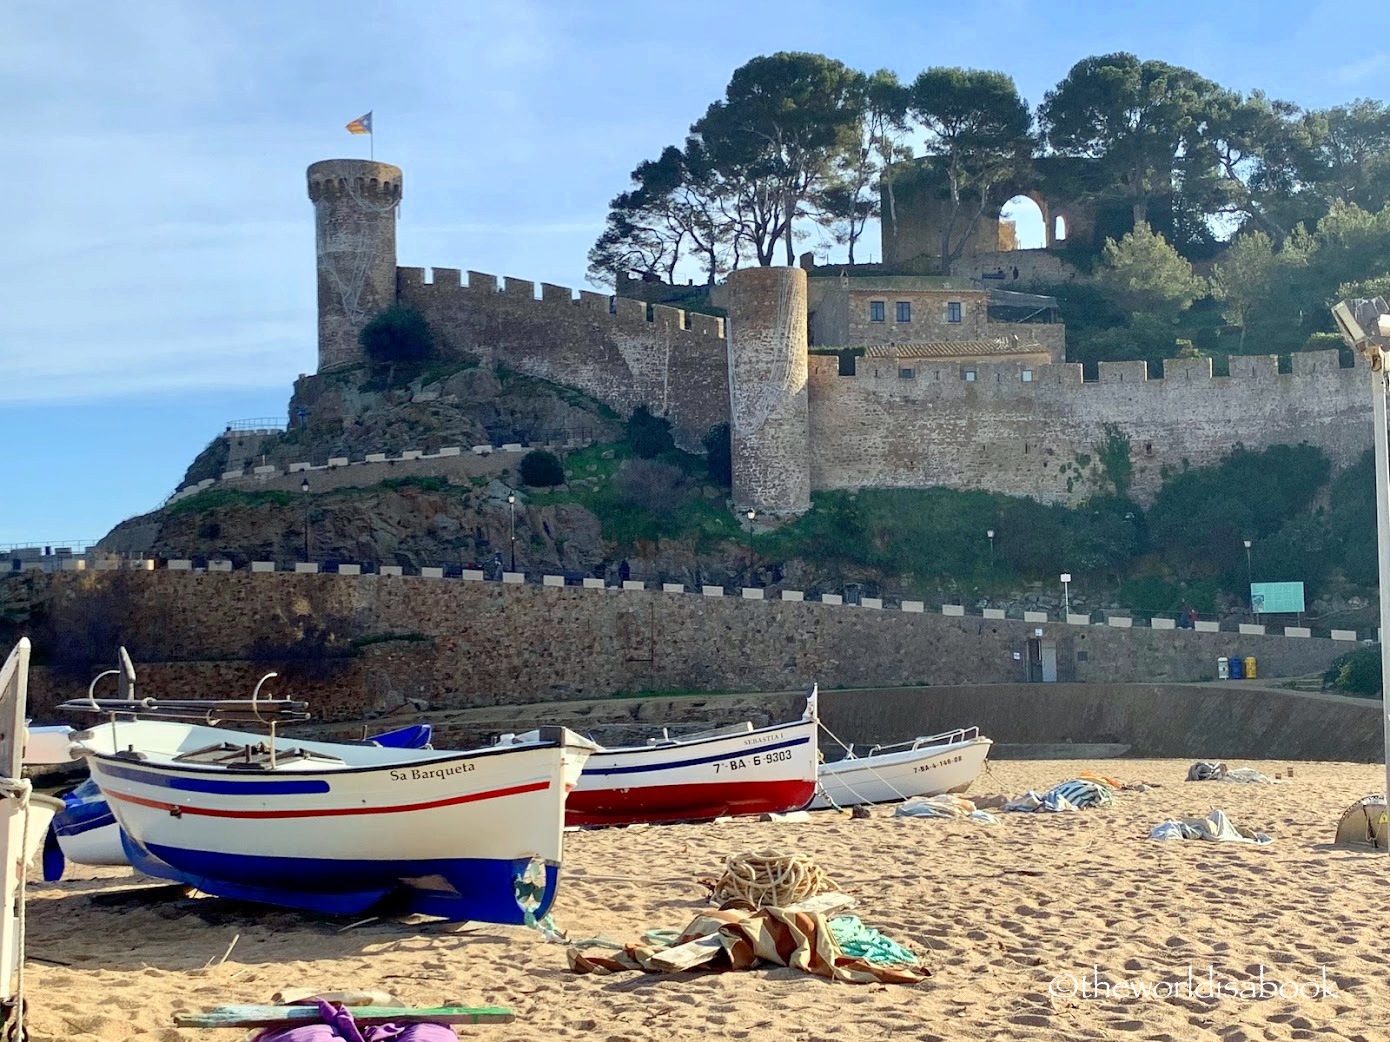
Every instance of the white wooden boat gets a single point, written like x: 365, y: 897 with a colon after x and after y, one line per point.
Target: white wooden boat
x: 84, y: 830
x: 743, y: 770
x: 928, y: 766
x: 47, y: 746
x: 338, y: 828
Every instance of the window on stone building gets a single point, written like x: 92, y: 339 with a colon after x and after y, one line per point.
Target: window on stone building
x: 904, y: 311
x: 953, y: 311
x: 877, y: 309
x: 905, y: 374
x: 970, y: 376
x: 1027, y: 376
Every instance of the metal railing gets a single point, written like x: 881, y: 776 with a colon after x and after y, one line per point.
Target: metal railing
x: 257, y: 423
x: 46, y: 548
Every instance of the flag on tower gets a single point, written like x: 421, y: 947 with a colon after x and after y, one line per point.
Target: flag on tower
x: 361, y: 125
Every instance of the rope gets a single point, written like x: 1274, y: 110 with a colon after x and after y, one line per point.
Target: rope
x: 849, y: 751
x: 771, y: 878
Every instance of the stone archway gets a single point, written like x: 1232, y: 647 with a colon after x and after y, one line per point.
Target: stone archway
x: 1025, y: 223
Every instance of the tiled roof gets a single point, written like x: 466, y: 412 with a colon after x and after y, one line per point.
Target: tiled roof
x: 954, y: 349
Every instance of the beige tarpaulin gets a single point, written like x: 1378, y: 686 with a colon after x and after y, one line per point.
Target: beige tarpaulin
x: 738, y: 939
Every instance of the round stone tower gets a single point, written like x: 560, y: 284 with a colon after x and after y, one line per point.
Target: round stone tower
x: 768, y: 425
x: 355, y: 232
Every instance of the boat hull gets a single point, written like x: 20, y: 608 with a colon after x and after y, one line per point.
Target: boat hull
x: 460, y: 835
x: 83, y: 832
x: 771, y: 770
x: 888, y: 777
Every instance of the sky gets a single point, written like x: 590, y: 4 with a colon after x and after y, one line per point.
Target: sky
x: 157, y: 270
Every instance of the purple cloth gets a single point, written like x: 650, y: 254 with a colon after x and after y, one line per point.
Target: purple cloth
x: 338, y: 1026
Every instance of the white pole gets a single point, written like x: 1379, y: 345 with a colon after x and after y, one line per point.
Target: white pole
x: 1382, y: 443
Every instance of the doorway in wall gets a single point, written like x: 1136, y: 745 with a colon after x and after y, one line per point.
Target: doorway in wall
x: 1042, y: 660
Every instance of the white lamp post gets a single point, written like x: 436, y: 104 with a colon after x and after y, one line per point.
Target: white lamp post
x: 1365, y: 325
x: 990, y: 533
x: 1250, y: 581
x: 1066, y: 599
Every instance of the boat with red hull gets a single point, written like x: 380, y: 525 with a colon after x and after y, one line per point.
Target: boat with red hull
x: 763, y: 770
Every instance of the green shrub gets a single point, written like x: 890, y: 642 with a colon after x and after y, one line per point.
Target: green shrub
x: 652, y: 486
x: 1357, y: 672
x: 398, y: 334
x: 541, y: 469
x: 649, y: 435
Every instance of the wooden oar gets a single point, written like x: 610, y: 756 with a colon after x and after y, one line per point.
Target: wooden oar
x: 274, y: 1016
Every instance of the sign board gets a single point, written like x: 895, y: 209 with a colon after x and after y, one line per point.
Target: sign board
x: 1276, y: 598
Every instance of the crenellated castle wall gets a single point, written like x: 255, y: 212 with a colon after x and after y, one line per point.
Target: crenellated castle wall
x: 1030, y: 436
x: 625, y: 355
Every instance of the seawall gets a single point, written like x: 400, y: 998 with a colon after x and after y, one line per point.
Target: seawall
x: 1157, y: 720
x: 377, y: 639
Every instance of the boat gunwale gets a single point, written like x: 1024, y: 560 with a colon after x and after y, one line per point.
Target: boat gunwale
x: 676, y: 743
x: 849, y: 763
x: 332, y: 772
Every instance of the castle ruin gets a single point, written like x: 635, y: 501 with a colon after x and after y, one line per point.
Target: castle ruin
x: 1011, y: 418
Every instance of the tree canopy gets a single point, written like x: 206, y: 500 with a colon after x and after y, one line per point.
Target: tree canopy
x: 1291, y: 204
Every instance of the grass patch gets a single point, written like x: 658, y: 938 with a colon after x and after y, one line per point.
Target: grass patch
x: 590, y: 472
x: 222, y: 498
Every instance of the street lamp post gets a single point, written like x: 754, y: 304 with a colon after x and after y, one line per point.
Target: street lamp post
x: 304, y: 488
x: 752, y: 516
x: 511, y: 503
x: 1250, y: 579
x: 1066, y: 598
x: 990, y: 533
x: 1365, y: 326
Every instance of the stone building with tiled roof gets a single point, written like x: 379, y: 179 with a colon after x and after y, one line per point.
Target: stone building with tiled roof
x: 940, y: 317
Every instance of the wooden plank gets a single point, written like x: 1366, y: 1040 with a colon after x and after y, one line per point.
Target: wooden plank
x: 14, y: 693
x: 273, y: 1016
x: 702, y: 950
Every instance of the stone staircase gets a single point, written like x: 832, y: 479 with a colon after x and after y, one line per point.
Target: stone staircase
x: 1311, y: 682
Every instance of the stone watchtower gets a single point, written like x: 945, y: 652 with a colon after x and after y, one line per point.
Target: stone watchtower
x: 355, y: 204
x: 768, y: 420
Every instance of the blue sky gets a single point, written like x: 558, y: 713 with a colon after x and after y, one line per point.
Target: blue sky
x: 157, y: 275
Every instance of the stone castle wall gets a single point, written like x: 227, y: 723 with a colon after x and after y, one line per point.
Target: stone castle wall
x: 670, y: 360
x: 1001, y: 433
x: 883, y: 427
x: 485, y: 644
x: 1034, y: 267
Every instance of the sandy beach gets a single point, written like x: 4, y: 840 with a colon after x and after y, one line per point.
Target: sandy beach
x: 1011, y: 919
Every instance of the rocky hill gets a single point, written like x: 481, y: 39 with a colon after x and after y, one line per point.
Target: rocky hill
x: 664, y: 517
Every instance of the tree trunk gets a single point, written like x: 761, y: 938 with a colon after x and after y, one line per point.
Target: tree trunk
x: 791, y: 257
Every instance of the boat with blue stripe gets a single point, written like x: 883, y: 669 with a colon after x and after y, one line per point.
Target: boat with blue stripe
x: 740, y: 770
x: 339, y: 828
x: 85, y: 831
